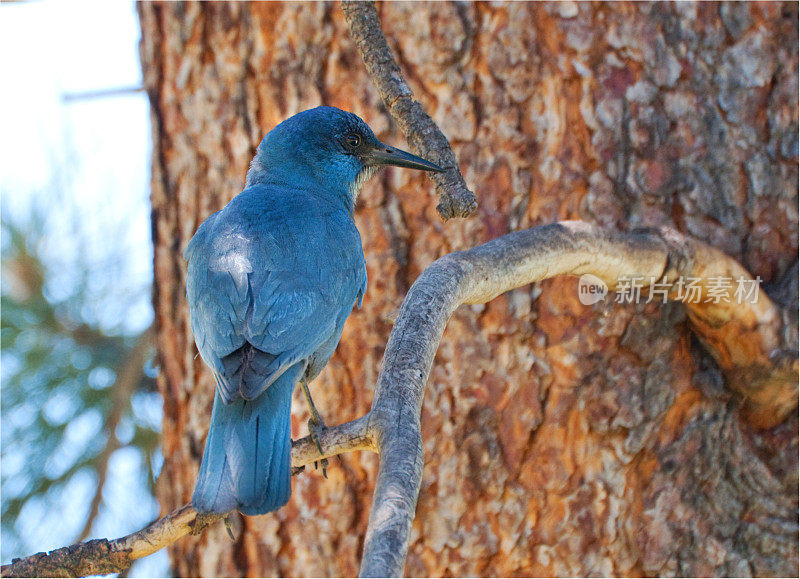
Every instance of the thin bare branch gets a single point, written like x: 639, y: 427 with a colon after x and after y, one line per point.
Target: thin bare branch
x: 424, y: 136
x: 751, y: 342
x: 103, y: 556
x: 128, y: 377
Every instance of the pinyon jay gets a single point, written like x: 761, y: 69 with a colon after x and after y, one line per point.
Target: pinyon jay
x: 271, y: 280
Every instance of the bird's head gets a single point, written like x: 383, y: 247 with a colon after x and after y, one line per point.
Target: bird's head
x: 328, y: 146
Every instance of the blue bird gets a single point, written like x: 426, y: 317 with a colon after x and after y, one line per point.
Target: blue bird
x: 272, y: 277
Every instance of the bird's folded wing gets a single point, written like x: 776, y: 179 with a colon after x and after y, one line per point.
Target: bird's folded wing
x: 240, y: 293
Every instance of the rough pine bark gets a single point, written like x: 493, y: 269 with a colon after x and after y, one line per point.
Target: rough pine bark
x: 559, y: 439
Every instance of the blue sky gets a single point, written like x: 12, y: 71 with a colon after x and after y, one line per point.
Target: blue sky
x: 85, y: 163
x: 84, y: 160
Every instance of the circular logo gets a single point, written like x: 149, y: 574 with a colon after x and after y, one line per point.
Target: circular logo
x: 591, y: 289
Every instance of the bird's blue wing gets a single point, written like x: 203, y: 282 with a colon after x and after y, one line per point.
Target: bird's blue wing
x: 218, y: 295
x: 283, y: 287
x: 299, y: 307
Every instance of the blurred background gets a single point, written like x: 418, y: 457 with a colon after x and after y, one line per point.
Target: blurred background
x: 80, y: 411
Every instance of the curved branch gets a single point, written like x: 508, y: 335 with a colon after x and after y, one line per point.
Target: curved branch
x: 455, y: 198
x: 745, y: 339
x: 752, y: 343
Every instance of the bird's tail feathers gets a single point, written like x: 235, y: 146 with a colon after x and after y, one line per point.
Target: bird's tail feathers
x: 248, y: 371
x: 246, y: 462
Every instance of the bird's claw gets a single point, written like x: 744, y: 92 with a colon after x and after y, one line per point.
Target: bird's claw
x: 316, y: 427
x: 233, y: 525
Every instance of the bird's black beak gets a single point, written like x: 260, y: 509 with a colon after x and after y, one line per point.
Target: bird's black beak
x: 387, y: 155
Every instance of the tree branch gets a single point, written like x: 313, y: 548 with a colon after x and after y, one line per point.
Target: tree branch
x: 517, y: 259
x: 103, y: 556
x: 754, y: 344
x: 129, y: 374
x: 425, y: 138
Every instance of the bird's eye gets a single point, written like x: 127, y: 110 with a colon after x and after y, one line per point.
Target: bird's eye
x: 352, y: 141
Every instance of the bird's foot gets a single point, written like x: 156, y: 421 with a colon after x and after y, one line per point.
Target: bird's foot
x: 316, y: 428
x: 233, y: 525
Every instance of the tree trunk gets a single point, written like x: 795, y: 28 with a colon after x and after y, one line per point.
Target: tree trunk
x: 560, y: 439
